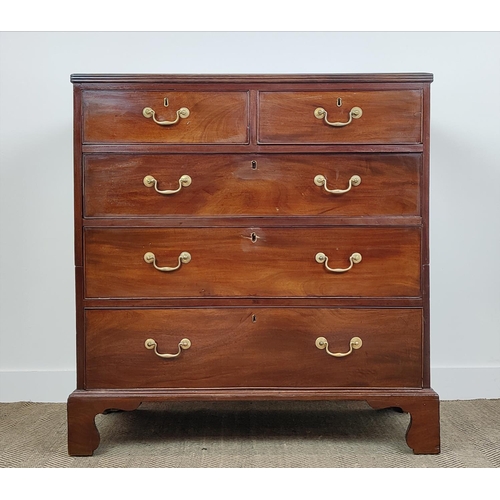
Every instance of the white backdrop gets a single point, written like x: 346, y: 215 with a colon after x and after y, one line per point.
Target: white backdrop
x: 37, y: 333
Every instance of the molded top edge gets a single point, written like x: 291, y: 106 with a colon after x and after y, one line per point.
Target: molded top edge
x: 254, y: 78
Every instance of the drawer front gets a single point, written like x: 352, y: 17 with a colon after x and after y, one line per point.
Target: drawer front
x: 253, y: 348
x: 252, y: 262
x: 270, y: 185
x: 388, y: 117
x: 117, y: 117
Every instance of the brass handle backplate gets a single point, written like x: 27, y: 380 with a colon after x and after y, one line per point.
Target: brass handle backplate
x: 183, y: 344
x: 320, y: 180
x: 150, y: 113
x: 320, y: 114
x: 150, y: 181
x: 184, y: 258
x: 355, y: 343
x: 321, y: 258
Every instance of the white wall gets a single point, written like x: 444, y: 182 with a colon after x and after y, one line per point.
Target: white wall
x: 37, y: 339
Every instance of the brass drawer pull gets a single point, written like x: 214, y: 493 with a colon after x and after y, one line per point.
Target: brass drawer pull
x: 355, y: 343
x: 150, y: 113
x: 183, y: 344
x: 150, y: 181
x: 320, y: 180
x: 184, y: 258
x: 321, y: 258
x: 321, y: 114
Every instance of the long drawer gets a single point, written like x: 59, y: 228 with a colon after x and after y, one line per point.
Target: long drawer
x: 261, y: 347
x: 355, y: 117
x: 268, y: 185
x: 147, y: 116
x: 252, y: 262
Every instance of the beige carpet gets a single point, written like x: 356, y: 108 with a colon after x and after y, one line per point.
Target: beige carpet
x: 251, y: 434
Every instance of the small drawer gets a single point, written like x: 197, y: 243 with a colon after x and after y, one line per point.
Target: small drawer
x: 252, y: 262
x: 254, y: 185
x: 364, y: 117
x: 260, y: 347
x: 144, y: 117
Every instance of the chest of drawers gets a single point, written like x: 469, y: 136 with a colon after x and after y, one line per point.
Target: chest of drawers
x: 252, y: 237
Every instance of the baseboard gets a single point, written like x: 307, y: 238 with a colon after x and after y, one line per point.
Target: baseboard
x: 466, y: 382
x: 47, y: 386
x: 55, y: 386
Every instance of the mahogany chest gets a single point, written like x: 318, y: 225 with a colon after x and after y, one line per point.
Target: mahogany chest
x: 252, y: 237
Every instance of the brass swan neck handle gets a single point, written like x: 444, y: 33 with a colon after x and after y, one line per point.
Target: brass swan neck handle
x: 321, y: 114
x: 320, y: 180
x: 321, y: 258
x: 183, y: 344
x: 150, y: 181
x: 180, y: 113
x: 184, y: 258
x: 355, y: 343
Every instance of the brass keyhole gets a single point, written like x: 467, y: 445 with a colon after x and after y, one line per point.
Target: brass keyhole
x: 254, y: 165
x: 339, y: 101
x: 254, y: 318
x: 253, y: 237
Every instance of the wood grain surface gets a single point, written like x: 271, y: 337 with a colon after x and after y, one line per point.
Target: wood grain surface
x: 262, y: 347
x: 226, y: 262
x: 388, y: 117
x: 252, y: 185
x: 116, y: 117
